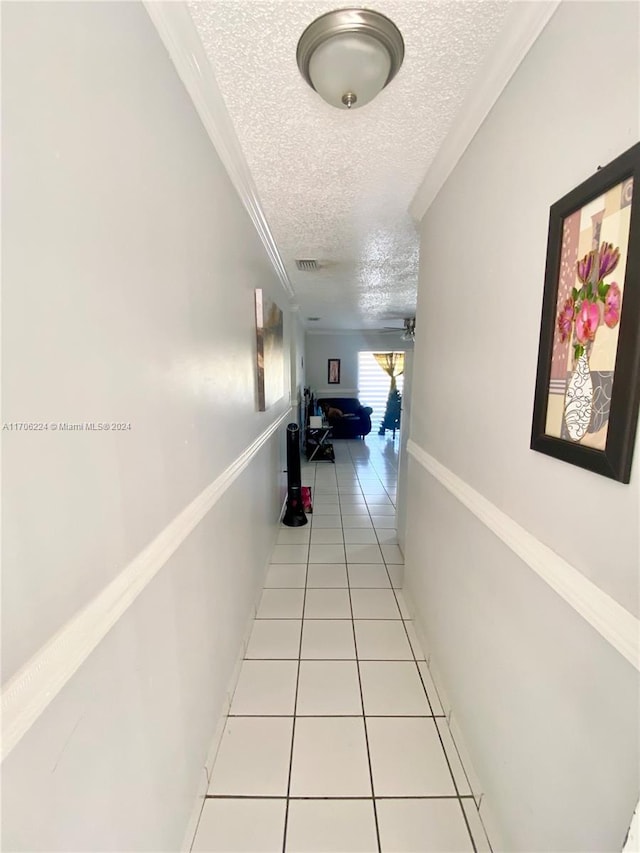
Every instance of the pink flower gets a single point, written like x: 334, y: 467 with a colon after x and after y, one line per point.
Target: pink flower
x: 608, y: 260
x: 587, y: 321
x: 565, y: 319
x: 612, y: 303
x: 585, y: 266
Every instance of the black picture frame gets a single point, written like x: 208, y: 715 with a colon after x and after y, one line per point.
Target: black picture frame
x: 624, y: 383
x: 333, y: 371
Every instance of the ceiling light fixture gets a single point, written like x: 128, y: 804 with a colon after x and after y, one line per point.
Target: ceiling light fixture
x: 349, y: 55
x: 409, y: 329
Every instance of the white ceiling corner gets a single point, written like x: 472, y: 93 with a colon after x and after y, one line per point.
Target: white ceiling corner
x: 323, y: 183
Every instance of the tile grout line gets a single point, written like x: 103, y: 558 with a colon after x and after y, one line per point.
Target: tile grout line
x: 461, y: 798
x: 424, y: 687
x: 364, y: 719
x: 342, y: 716
x: 446, y: 757
x: 331, y: 618
x: 375, y: 529
x: 433, y: 717
x: 444, y: 752
x: 337, y: 797
x: 295, y: 698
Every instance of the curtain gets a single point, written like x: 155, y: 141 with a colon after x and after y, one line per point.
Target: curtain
x: 392, y: 363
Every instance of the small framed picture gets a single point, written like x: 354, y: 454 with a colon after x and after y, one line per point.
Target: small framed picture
x: 334, y: 371
x: 588, y: 382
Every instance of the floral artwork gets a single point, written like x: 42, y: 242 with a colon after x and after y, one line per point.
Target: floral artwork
x: 587, y: 364
x: 594, y: 240
x: 593, y: 303
x: 583, y: 305
x: 269, y: 351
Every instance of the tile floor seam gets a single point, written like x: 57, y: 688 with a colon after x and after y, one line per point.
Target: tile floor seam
x: 338, y: 797
x: 364, y: 719
x: 332, y: 618
x: 419, y: 675
x: 343, y: 716
x: 360, y: 486
x: 446, y: 756
x: 295, y: 698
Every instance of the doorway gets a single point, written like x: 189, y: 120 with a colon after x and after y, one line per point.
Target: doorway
x: 373, y: 387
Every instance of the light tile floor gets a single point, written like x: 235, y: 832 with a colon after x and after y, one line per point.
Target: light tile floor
x: 336, y: 741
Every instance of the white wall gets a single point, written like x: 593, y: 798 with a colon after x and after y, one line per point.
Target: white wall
x: 403, y: 458
x: 298, y: 371
x: 321, y: 346
x: 549, y: 710
x: 129, y: 267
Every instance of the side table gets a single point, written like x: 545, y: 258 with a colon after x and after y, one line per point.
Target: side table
x: 318, y: 446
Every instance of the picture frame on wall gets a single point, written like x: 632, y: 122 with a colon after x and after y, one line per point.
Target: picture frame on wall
x: 269, y: 351
x: 333, y: 371
x: 587, y: 391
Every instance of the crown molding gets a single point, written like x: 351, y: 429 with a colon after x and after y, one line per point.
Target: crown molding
x: 524, y: 23
x: 179, y: 35
x: 610, y: 619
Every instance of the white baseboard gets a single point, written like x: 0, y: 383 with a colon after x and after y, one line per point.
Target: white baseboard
x: 233, y: 681
x: 194, y: 820
x: 465, y: 758
x: 231, y: 688
x: 212, y: 751
x: 632, y: 841
x: 438, y: 681
x: 489, y: 823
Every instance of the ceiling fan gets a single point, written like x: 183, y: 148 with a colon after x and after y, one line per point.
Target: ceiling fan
x: 408, y: 328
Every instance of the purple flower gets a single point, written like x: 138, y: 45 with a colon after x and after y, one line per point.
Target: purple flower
x: 587, y: 321
x: 565, y: 319
x: 612, y: 302
x: 608, y: 260
x: 585, y: 267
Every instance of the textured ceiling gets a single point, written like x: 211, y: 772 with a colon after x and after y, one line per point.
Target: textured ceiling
x: 336, y: 185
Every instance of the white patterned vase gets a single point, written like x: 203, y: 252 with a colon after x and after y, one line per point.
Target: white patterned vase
x: 578, y: 401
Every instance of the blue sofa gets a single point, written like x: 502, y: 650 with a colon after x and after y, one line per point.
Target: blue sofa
x: 355, y: 420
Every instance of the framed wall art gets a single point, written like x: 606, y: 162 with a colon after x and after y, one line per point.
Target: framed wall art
x: 333, y: 371
x: 588, y: 380
x: 269, y: 351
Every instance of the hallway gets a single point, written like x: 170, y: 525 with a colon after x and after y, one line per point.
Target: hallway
x: 298, y: 759
x: 169, y: 171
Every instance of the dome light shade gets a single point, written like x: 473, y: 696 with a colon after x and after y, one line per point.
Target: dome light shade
x: 350, y: 55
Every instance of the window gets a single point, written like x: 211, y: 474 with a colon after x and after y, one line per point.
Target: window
x: 373, y: 387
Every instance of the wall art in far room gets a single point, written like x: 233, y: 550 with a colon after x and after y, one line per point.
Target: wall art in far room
x: 333, y: 371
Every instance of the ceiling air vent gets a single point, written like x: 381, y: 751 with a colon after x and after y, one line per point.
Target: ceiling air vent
x: 307, y: 264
